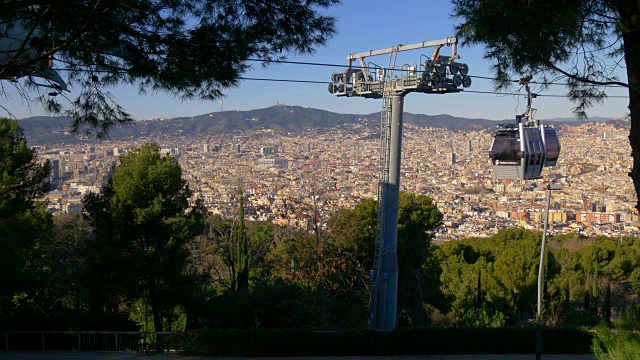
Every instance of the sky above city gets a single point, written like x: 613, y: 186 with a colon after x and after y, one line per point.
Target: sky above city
x: 362, y: 25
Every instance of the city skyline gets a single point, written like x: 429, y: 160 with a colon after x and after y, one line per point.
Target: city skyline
x: 362, y: 26
x: 339, y: 169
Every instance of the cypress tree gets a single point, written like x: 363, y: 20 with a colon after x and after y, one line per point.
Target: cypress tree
x: 607, y: 303
x: 242, y: 277
x: 479, y: 295
x: 594, y: 292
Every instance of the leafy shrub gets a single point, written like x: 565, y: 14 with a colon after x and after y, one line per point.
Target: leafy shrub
x: 484, y: 317
x: 276, y: 305
x: 415, y: 341
x: 621, y: 342
x: 581, y: 318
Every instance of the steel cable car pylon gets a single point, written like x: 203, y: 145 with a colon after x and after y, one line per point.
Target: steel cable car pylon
x: 383, y: 178
x: 384, y: 275
x: 439, y: 74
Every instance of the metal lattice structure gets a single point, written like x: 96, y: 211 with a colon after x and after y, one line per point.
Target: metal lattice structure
x: 434, y: 74
x: 384, y: 162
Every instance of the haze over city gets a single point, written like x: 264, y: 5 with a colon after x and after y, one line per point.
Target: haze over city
x: 450, y: 166
x: 339, y: 167
x: 320, y: 177
x: 362, y: 25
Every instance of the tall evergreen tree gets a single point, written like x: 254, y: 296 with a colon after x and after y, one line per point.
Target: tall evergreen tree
x: 242, y: 243
x: 143, y: 222
x: 24, y: 224
x: 418, y: 217
x: 23, y: 177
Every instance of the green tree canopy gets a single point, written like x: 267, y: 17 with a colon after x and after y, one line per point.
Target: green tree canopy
x: 23, y: 178
x: 24, y: 224
x: 355, y: 231
x: 583, y: 43
x: 193, y: 49
x: 143, y: 222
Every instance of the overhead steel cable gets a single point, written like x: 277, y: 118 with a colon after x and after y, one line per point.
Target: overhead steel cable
x: 285, y: 80
x: 465, y: 91
x: 353, y: 67
x: 377, y: 67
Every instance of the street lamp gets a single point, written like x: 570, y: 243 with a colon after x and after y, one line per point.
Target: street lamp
x: 541, y: 272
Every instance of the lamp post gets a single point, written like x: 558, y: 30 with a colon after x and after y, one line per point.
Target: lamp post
x: 541, y: 271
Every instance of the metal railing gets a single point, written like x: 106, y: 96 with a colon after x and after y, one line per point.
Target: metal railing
x: 107, y: 341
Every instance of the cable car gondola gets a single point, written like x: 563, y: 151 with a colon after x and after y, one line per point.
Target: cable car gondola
x: 518, y: 152
x: 551, y: 142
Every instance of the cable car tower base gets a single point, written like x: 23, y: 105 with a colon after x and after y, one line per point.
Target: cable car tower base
x: 435, y: 74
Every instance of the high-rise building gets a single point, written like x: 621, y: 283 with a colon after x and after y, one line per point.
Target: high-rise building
x: 169, y: 152
x: 277, y: 162
x: 470, y: 146
x: 266, y: 151
x: 55, y: 169
x: 237, y: 148
x: 307, y: 147
x: 598, y: 208
x: 205, y: 148
x: 453, y: 158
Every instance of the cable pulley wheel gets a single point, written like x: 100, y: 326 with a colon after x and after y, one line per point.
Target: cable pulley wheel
x: 426, y: 78
x: 466, y: 81
x: 429, y: 65
x: 457, y: 80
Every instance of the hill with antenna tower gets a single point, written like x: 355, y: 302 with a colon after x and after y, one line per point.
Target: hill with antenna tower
x: 282, y: 119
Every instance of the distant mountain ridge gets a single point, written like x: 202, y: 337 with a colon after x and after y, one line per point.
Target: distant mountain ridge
x: 279, y: 119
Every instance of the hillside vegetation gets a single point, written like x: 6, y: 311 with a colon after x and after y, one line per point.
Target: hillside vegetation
x: 279, y: 119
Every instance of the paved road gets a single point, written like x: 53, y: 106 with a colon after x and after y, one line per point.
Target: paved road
x: 137, y: 356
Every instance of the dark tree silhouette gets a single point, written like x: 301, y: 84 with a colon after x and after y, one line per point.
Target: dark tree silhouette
x: 143, y: 223
x: 24, y: 223
x: 192, y: 49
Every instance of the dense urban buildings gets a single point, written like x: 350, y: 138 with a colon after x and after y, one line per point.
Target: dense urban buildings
x: 298, y: 179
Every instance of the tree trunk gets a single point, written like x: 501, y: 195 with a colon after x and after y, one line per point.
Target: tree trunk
x: 587, y: 294
x: 607, y: 304
x: 155, y: 306
x: 242, y: 280
x: 479, y: 294
x: 418, y: 305
x: 157, y: 322
x: 157, y: 317
x: 630, y: 23
x: 595, y: 294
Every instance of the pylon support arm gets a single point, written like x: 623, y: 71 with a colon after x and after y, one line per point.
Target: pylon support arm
x: 452, y: 41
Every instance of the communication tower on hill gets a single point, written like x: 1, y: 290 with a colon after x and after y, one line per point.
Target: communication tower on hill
x: 432, y: 74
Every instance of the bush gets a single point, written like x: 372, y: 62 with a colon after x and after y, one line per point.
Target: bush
x: 581, y: 318
x: 621, y: 342
x: 615, y: 344
x: 415, y: 341
x: 278, y: 305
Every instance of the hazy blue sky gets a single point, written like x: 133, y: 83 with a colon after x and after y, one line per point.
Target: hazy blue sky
x: 362, y: 25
